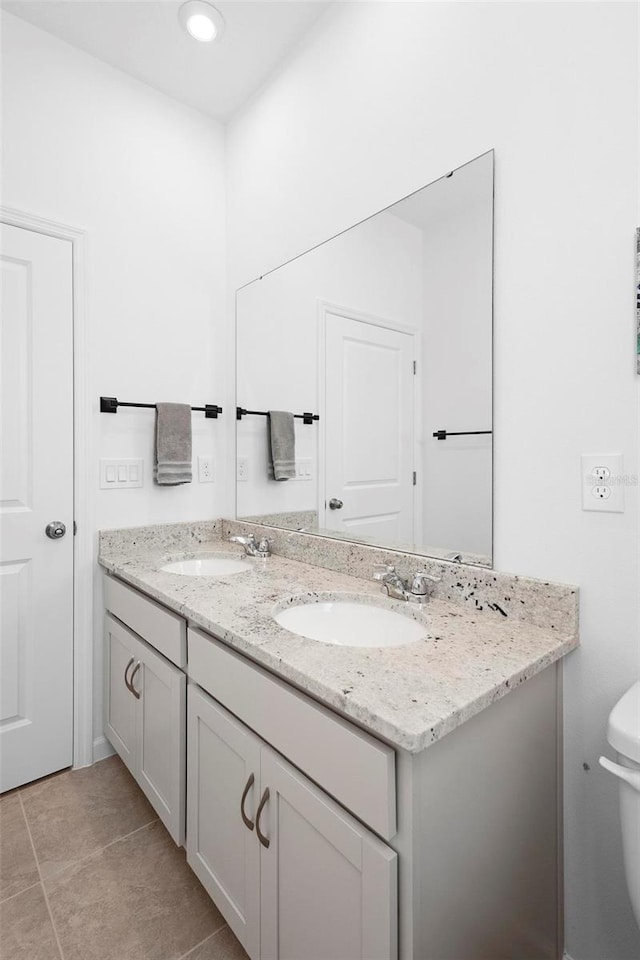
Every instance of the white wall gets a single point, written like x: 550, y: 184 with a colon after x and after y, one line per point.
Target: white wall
x: 89, y: 146
x: 385, y: 97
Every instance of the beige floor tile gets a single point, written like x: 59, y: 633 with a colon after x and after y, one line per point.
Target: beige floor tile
x: 135, y: 900
x: 76, y: 813
x: 18, y: 868
x: 221, y: 946
x: 26, y: 929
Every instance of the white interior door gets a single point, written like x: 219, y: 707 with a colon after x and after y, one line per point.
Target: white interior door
x: 369, y: 429
x: 36, y: 489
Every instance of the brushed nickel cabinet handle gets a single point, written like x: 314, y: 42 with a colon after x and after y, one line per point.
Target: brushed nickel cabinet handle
x: 261, y: 837
x: 126, y: 671
x: 249, y: 824
x: 131, y: 686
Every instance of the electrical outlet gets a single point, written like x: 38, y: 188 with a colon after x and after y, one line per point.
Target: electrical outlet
x: 603, y: 482
x: 242, y: 469
x: 205, y: 470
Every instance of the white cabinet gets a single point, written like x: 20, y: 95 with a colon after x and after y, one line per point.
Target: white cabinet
x: 119, y: 703
x: 145, y: 721
x: 295, y: 876
x: 223, y: 764
x: 303, y: 855
x: 328, y: 885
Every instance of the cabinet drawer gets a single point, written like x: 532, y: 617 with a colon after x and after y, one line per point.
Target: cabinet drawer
x: 161, y: 628
x: 351, y: 765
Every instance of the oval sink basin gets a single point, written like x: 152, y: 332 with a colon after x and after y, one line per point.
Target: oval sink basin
x: 348, y: 623
x: 207, y: 567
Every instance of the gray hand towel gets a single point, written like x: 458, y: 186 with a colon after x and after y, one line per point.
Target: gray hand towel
x: 283, y: 444
x: 173, y: 444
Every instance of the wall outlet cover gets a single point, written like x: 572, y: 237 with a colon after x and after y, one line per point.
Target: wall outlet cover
x: 603, y: 482
x: 242, y: 469
x: 205, y: 470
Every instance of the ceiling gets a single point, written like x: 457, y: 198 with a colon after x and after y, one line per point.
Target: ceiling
x: 144, y: 38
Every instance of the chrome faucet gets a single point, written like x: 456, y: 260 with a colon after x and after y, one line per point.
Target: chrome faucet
x: 454, y: 557
x: 252, y: 547
x: 415, y: 589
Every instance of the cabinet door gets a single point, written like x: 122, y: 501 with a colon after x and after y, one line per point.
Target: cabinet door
x: 161, y: 735
x: 222, y: 849
x: 328, y: 885
x: 120, y: 705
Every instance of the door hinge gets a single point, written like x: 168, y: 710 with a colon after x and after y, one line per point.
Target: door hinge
x: 75, y: 528
x: 415, y: 478
x: 415, y: 366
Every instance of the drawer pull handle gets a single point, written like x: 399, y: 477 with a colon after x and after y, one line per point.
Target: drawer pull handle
x: 126, y: 671
x: 261, y: 837
x: 131, y: 686
x: 249, y: 824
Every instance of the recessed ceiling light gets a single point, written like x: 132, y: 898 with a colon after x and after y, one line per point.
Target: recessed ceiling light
x: 201, y: 20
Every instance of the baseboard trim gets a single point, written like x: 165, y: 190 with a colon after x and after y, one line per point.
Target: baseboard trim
x: 565, y: 956
x: 103, y: 749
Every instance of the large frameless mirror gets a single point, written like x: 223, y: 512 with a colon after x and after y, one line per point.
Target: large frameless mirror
x: 379, y: 343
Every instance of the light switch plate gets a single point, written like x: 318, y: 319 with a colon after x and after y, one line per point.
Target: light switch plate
x: 603, y: 482
x: 303, y: 469
x: 120, y: 474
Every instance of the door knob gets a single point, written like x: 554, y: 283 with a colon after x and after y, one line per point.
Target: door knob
x: 55, y: 530
x: 335, y: 504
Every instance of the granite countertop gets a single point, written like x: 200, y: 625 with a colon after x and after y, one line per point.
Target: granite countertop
x: 409, y: 695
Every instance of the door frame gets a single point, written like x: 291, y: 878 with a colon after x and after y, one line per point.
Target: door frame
x: 82, y: 480
x: 323, y: 308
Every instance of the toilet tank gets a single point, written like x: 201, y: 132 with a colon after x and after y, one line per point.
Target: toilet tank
x: 624, y: 724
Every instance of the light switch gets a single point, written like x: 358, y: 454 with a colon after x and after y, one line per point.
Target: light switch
x: 303, y: 468
x: 120, y: 474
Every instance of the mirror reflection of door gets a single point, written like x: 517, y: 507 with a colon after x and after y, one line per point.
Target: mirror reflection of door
x: 368, y: 422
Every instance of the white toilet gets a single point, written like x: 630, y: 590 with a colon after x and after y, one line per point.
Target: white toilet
x: 624, y: 736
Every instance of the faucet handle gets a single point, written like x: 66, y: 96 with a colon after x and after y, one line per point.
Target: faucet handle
x: 242, y: 540
x: 420, y: 583
x: 383, y: 570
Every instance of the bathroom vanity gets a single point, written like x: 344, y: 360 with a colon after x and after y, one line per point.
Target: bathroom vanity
x: 355, y: 803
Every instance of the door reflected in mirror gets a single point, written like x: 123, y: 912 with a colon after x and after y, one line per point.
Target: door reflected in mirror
x: 379, y: 343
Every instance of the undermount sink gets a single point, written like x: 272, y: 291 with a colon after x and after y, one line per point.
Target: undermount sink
x: 207, y: 567
x: 351, y: 623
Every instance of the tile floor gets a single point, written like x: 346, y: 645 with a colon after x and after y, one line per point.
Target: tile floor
x: 88, y: 872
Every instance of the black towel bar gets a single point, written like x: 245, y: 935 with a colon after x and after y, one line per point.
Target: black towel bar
x: 305, y: 417
x: 443, y: 434
x: 111, y: 404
